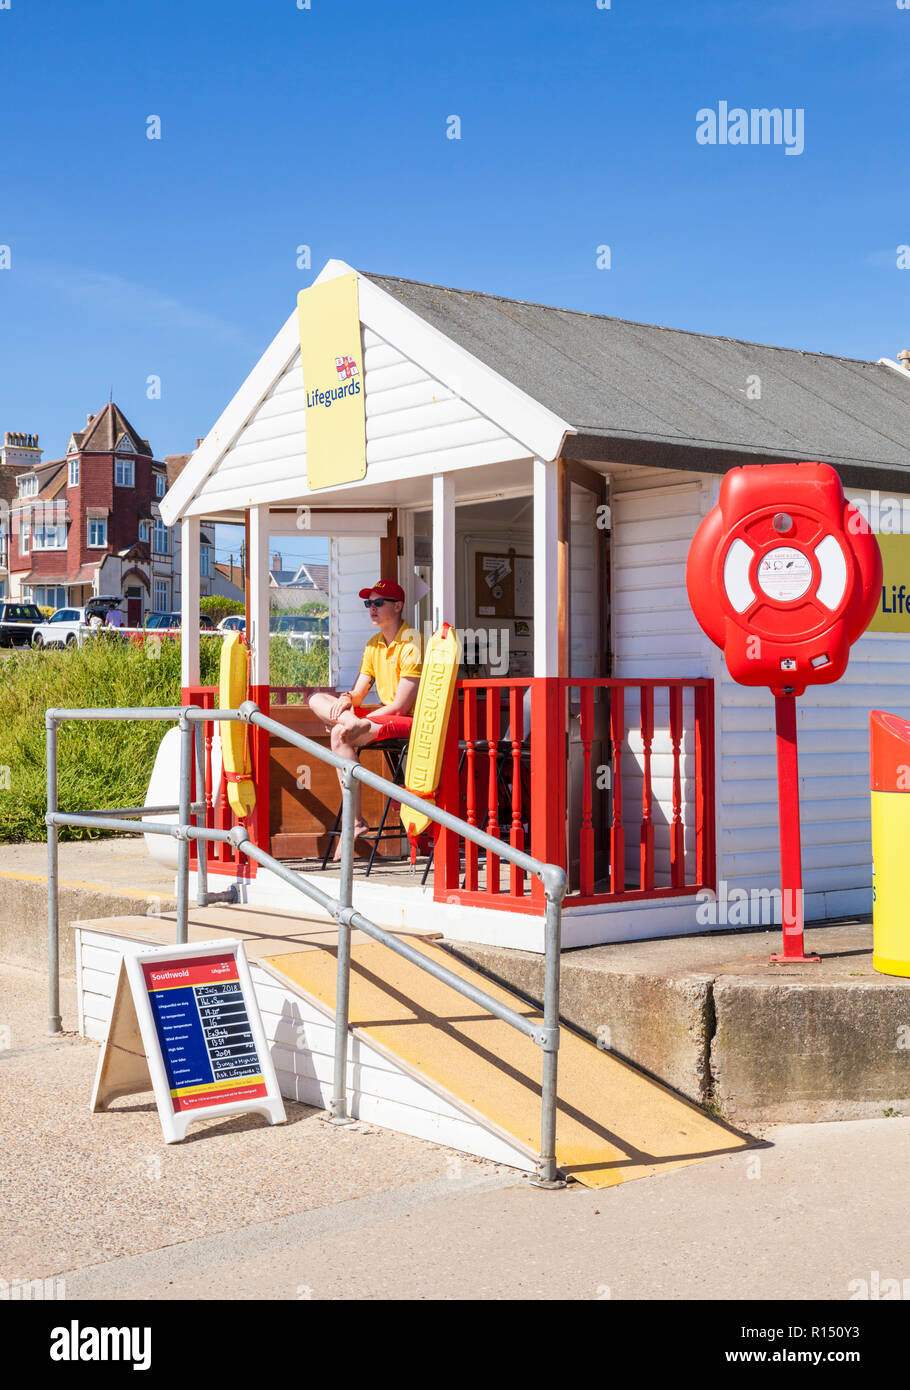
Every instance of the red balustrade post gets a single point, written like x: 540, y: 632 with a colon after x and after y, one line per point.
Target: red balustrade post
x: 705, y: 864
x: 516, y: 832
x: 258, y: 821
x: 446, y: 854
x: 548, y: 775
x: 617, y: 831
x: 677, y: 840
x: 470, y: 740
x: 492, y: 826
x: 646, y: 876
x: 586, y: 838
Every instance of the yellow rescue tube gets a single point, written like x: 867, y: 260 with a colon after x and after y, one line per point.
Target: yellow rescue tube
x: 235, y: 744
x: 431, y: 719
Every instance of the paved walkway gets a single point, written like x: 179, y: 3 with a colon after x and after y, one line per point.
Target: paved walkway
x: 118, y: 864
x: 241, y: 1210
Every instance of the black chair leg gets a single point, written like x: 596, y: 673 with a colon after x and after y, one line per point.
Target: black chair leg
x: 394, y: 767
x: 333, y: 836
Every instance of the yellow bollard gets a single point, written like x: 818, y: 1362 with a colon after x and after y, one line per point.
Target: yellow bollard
x: 889, y: 739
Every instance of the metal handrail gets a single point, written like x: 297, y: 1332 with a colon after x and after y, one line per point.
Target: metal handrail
x: 190, y: 720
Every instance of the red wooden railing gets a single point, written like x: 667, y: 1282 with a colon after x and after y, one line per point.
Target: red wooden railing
x: 612, y: 778
x: 223, y: 858
x: 560, y: 766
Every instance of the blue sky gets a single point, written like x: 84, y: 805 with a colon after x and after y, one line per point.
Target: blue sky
x: 327, y: 127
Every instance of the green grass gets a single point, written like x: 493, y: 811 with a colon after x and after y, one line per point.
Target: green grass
x: 100, y: 764
x: 290, y: 666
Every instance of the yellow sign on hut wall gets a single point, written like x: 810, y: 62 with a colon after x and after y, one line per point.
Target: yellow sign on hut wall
x: 893, y: 612
x: 332, y: 360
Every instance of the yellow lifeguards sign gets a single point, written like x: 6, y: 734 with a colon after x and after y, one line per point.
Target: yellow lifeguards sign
x: 332, y: 359
x: 893, y: 613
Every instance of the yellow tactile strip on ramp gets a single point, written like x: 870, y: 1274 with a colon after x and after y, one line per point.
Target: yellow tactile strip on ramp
x: 613, y: 1124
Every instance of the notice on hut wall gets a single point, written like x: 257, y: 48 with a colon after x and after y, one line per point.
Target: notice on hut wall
x: 893, y: 612
x: 331, y: 355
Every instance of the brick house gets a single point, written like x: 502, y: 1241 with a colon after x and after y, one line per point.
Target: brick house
x: 89, y: 523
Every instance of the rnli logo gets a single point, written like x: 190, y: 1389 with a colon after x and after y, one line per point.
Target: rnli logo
x: 346, y: 368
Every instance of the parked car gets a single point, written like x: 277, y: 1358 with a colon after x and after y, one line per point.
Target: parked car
x: 17, y: 623
x: 170, y: 622
x: 68, y: 626
x: 234, y: 622
x: 302, y: 630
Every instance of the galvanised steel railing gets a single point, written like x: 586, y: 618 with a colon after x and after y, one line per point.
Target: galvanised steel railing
x: 190, y: 719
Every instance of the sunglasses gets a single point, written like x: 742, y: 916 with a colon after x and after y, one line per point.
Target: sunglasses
x: 374, y: 602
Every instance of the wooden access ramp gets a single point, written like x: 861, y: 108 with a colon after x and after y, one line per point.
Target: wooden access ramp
x: 614, y: 1123
x: 422, y: 1059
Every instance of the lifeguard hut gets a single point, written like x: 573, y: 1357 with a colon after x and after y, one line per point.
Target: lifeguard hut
x: 536, y: 476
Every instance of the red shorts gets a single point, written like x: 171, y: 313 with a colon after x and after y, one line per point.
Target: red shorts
x: 390, y: 725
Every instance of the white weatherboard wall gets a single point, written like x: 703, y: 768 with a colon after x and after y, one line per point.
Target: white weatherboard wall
x: 408, y: 413
x: 353, y: 565
x: 655, y: 634
x: 300, y: 1035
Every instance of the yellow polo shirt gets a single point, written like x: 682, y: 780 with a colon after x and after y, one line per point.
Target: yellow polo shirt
x: 385, y: 664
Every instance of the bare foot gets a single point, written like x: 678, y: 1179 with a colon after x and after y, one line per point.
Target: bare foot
x: 357, y: 728
x: 360, y: 828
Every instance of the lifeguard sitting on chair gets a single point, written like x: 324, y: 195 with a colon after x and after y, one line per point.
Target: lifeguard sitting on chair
x: 392, y: 659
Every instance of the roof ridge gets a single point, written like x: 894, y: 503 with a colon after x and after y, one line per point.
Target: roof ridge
x: 614, y: 318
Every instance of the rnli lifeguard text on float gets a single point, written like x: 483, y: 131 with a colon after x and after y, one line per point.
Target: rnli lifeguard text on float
x: 331, y: 356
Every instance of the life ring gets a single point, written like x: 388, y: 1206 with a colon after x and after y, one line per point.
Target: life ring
x: 428, y: 731
x: 233, y: 687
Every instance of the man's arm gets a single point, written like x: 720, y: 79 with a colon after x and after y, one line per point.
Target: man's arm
x: 357, y: 694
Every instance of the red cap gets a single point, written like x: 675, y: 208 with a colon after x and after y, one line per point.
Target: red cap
x: 386, y: 588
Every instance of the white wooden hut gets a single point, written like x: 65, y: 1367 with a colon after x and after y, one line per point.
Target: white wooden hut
x: 542, y: 472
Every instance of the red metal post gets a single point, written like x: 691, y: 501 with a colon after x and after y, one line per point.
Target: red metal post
x: 791, y: 874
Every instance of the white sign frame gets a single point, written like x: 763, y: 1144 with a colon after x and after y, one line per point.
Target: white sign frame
x: 123, y: 1070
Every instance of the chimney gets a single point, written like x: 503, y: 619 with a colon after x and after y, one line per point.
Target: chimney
x: 904, y: 359
x: 89, y: 419
x: 276, y: 561
x: 198, y: 442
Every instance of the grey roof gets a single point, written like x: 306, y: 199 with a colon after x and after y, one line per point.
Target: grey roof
x: 317, y: 574
x: 623, y: 384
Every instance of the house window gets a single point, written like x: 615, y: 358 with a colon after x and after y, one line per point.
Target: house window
x: 160, y: 485
x: 48, y: 596
x: 49, y: 536
x: 28, y: 487
x: 162, y: 596
x: 205, y: 563
x: 74, y: 473
x: 25, y: 537
x: 124, y: 472
x: 162, y: 544
x: 97, y: 531
x: 143, y: 530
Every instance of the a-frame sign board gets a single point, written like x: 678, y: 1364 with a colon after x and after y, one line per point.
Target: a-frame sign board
x: 185, y: 1024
